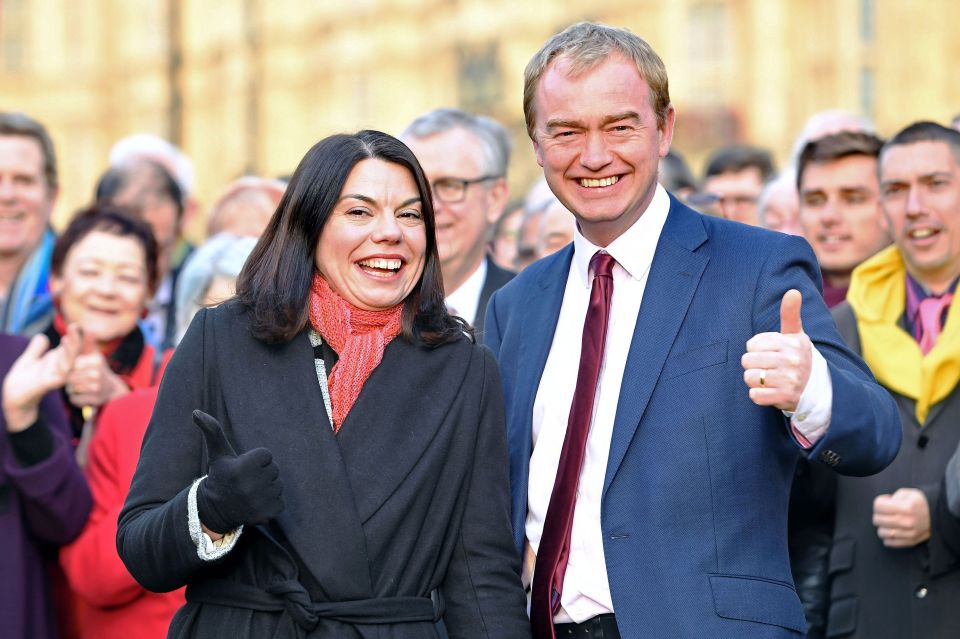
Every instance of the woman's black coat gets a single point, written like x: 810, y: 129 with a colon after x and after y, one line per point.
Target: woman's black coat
x: 410, y: 498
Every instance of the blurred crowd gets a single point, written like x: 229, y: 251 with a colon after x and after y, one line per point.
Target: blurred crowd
x: 90, y: 316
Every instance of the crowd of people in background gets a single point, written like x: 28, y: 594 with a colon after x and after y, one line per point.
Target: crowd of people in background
x: 90, y: 315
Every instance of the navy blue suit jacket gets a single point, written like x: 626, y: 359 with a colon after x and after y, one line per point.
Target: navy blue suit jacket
x: 694, y: 507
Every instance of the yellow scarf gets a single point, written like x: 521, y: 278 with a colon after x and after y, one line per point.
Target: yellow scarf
x: 878, y: 296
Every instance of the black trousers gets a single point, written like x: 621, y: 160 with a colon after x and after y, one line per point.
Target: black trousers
x: 599, y: 627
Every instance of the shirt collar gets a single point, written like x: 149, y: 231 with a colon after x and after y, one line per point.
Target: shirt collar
x: 917, y: 292
x: 635, y: 247
x: 466, y: 298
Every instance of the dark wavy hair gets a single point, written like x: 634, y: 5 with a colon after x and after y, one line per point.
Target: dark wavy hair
x: 113, y: 220
x: 274, y: 284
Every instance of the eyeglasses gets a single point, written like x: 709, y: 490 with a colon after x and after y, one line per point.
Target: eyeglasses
x: 453, y: 190
x: 712, y: 200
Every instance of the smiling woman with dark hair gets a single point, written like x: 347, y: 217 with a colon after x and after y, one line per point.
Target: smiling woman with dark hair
x: 327, y: 457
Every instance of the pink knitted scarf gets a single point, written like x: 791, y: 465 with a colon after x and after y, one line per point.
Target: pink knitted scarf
x: 358, y: 336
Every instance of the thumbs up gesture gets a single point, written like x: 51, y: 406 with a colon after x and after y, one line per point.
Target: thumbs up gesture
x: 776, y: 366
x: 238, y: 489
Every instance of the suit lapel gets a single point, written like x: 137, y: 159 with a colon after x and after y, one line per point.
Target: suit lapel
x: 538, y: 322
x: 280, y: 407
x: 536, y: 334
x: 674, y: 275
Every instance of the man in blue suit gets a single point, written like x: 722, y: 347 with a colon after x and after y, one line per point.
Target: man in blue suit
x: 680, y: 445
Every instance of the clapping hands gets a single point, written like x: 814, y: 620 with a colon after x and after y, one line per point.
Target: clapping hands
x: 37, y: 371
x: 90, y: 381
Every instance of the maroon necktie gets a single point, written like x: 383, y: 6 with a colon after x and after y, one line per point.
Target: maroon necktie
x: 554, y: 547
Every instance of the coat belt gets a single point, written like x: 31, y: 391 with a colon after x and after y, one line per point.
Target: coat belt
x: 291, y: 597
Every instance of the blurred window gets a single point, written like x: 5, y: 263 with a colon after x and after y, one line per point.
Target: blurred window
x: 479, y: 78
x: 13, y: 28
x: 708, y: 38
x: 868, y: 17
x: 867, y: 93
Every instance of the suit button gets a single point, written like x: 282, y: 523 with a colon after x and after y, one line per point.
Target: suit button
x: 829, y: 458
x: 921, y: 592
x: 922, y: 441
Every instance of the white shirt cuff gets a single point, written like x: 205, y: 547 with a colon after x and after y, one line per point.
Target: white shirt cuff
x: 207, y: 549
x: 811, y: 420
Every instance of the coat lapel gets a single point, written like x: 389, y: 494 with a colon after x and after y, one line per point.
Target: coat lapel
x: 496, y: 278
x: 397, y: 415
x: 281, y: 408
x: 934, y: 412
x: 673, y: 279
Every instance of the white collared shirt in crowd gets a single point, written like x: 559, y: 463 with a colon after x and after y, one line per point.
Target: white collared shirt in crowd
x: 465, y: 300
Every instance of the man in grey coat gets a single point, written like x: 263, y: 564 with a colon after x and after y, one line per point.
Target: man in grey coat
x: 894, y: 574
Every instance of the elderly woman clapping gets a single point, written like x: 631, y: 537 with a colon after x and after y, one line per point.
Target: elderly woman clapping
x: 327, y: 455
x: 104, y: 270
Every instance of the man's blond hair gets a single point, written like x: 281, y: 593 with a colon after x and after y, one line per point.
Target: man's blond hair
x: 587, y: 44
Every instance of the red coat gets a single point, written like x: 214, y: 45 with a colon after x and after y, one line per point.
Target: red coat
x: 114, y: 606
x: 147, y: 372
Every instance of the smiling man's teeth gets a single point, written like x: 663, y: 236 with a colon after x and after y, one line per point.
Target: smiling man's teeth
x: 386, y: 265
x: 919, y: 234
x: 592, y: 184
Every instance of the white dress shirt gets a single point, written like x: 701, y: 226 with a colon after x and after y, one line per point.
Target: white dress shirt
x: 465, y: 300
x: 586, y: 592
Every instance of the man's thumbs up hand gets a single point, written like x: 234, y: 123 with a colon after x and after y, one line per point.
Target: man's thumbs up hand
x: 776, y: 366
x: 790, y: 322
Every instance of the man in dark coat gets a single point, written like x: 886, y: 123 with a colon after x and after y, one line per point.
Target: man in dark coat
x: 44, y: 500
x: 840, y: 214
x: 892, y: 573
x: 465, y: 157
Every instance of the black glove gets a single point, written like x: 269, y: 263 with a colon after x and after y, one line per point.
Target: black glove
x: 238, y: 489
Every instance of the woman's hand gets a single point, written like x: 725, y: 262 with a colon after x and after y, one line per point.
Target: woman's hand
x: 214, y: 536
x: 238, y: 489
x: 36, y: 372
x: 91, y: 382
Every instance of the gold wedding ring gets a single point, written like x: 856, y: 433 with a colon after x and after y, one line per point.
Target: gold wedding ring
x: 763, y: 377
